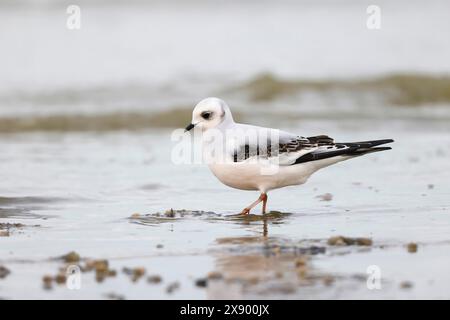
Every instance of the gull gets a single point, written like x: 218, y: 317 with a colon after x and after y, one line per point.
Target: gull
x: 249, y: 157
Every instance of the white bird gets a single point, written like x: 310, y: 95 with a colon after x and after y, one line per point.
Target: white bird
x: 249, y: 157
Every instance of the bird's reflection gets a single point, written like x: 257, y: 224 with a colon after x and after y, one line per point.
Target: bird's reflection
x: 254, y: 265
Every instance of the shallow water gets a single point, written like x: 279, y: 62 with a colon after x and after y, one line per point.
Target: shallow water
x: 85, y: 125
x: 100, y: 195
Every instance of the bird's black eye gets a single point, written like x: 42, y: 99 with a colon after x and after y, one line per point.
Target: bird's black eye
x: 206, y: 115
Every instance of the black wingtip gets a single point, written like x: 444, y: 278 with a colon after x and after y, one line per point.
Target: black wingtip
x: 362, y: 151
x: 369, y: 144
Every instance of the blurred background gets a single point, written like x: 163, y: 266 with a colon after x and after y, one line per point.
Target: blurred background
x: 86, y: 116
x: 144, y: 64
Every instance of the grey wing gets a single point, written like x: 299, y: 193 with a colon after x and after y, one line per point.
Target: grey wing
x: 286, y: 147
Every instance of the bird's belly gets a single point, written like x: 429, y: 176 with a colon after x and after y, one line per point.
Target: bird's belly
x: 246, y: 176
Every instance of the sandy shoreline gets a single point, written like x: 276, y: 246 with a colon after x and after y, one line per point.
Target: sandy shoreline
x: 109, y: 213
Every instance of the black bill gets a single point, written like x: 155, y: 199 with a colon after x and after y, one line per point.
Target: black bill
x: 189, y: 127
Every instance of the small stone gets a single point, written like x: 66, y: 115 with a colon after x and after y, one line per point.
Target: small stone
x: 406, y: 285
x: 4, y: 233
x: 127, y: 271
x: 159, y: 246
x: 412, y: 247
x: 430, y: 186
x: 170, y: 213
x: 316, y: 250
x: 100, y: 277
x: 214, y: 275
x: 135, y: 273
x: 328, y: 280
x: 346, y: 241
x: 154, y: 279
x: 325, y: 197
x: 302, y: 271
x: 363, y: 241
x: 301, y: 262
x: 60, y: 278
x: 138, y: 273
x: 202, y: 283
x: 253, y: 280
x: 100, y: 266
x: 11, y: 225
x: 4, y: 272
x: 114, y: 296
x: 276, y: 249
x: 172, y: 287
x: 71, y: 257
x: 336, y: 241
x: 112, y: 273
x: 48, y: 281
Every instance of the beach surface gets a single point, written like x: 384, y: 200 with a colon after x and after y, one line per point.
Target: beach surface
x: 92, y: 205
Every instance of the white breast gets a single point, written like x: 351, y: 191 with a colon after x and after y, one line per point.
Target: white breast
x: 254, y: 176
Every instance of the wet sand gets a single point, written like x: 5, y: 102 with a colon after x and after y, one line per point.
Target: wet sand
x: 108, y: 198
x: 85, y: 124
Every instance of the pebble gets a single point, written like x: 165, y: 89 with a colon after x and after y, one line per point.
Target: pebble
x: 412, y: 247
x: 202, y: 283
x: 406, y: 285
x: 172, y: 287
x: 4, y: 272
x: 60, y: 278
x: 71, y: 257
x: 325, y: 197
x: 214, y: 275
x: 48, y: 282
x: 346, y: 241
x: 301, y: 261
x: 154, y: 279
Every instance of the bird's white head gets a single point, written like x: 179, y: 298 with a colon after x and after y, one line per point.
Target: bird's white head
x: 210, y: 113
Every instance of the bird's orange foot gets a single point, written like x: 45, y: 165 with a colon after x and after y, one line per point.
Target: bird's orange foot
x: 245, y: 211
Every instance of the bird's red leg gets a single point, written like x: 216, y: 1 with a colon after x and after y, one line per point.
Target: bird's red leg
x: 264, y: 200
x: 254, y: 204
